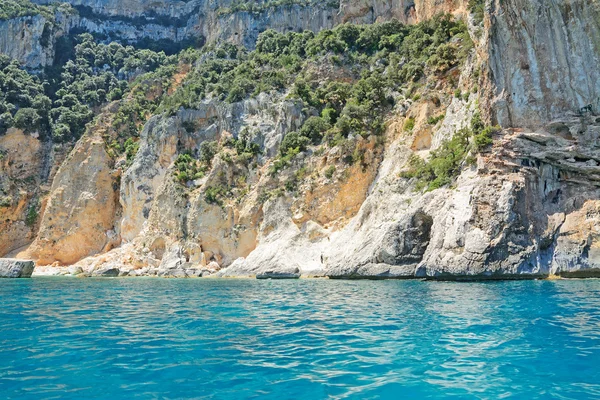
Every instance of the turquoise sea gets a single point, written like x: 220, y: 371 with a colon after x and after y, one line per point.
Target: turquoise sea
x: 309, y: 339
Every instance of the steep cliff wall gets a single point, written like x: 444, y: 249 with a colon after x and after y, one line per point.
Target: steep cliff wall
x: 27, y: 39
x: 544, y: 59
x: 82, y: 207
x: 527, y: 206
x: 514, y: 214
x: 20, y: 170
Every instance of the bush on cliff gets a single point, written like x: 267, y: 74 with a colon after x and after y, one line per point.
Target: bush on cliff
x: 67, y: 97
x: 20, y: 8
x: 22, y: 98
x: 445, y: 162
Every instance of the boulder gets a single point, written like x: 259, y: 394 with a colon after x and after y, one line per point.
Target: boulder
x: 12, y: 268
x: 279, y: 275
x: 106, y: 272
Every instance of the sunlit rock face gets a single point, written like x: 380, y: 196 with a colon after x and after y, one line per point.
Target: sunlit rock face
x: 11, y: 268
x: 544, y: 59
x: 526, y: 207
x: 21, y: 38
x: 80, y: 211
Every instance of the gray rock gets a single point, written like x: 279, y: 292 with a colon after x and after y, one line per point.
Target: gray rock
x: 106, y: 272
x: 28, y: 48
x: 173, y: 273
x: 194, y: 273
x: 274, y: 274
x: 374, y: 271
x: 536, y: 83
x: 12, y: 268
x: 75, y: 270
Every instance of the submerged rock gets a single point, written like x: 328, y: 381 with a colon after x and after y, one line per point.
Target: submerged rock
x: 12, y: 268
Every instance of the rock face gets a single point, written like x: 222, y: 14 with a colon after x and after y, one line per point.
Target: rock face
x: 11, y: 268
x: 528, y: 207
x: 538, y: 82
x: 79, y: 218
x: 21, y: 167
x: 32, y: 39
x: 29, y: 48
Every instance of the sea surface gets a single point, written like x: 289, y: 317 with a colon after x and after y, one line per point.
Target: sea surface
x: 310, y: 339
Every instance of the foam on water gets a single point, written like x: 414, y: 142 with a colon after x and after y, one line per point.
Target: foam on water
x: 232, y: 339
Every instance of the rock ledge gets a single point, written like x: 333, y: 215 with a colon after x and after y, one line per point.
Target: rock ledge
x: 13, y: 268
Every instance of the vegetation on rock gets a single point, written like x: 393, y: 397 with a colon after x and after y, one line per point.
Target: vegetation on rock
x: 23, y: 102
x: 477, y: 8
x: 63, y: 100
x: 253, y: 6
x: 346, y: 78
x: 445, y: 162
x: 21, y: 8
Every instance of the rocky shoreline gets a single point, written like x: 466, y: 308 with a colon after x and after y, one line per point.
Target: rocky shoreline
x: 486, y: 167
x: 376, y: 272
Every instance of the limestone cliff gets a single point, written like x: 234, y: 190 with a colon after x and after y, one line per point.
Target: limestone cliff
x: 82, y: 207
x: 544, y: 60
x: 21, y: 38
x: 210, y: 20
x: 20, y: 168
x: 31, y: 39
x: 527, y: 206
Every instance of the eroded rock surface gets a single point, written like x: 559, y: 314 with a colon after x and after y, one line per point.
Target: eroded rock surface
x: 527, y: 207
x: 12, y: 268
x: 80, y: 213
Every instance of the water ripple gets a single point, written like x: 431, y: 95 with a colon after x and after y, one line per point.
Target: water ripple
x: 172, y: 339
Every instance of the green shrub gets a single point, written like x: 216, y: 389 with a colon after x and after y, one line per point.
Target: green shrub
x: 5, y: 201
x: 330, y: 115
x: 482, y: 134
x: 484, y: 138
x: 27, y: 119
x: 6, y: 121
x: 293, y: 142
x: 215, y: 194
x: 409, y: 124
x: 208, y: 150
x: 443, y: 165
x: 477, y: 8
x: 20, y: 8
x: 330, y: 171
x: 187, y: 168
x: 436, y: 119
x: 283, y: 161
x: 445, y: 162
x: 183, y: 177
x: 314, y: 128
x: 443, y: 58
x: 32, y: 213
x: 131, y: 148
x: 258, y: 7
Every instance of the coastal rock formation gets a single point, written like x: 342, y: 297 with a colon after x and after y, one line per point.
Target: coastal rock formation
x: 20, y: 168
x: 12, y: 268
x: 81, y: 209
x: 539, y: 82
x: 525, y: 206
